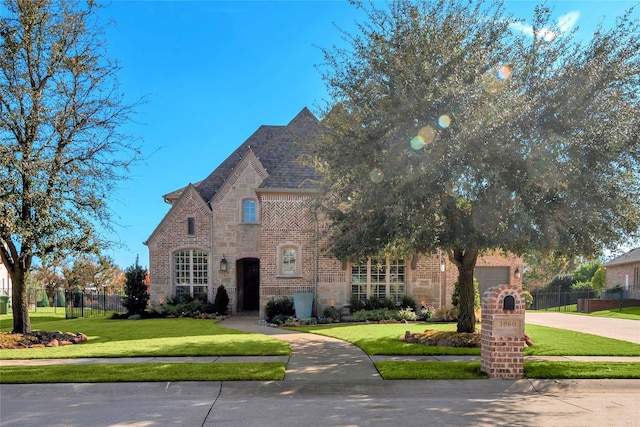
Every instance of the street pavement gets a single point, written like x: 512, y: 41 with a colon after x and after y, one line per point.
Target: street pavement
x: 328, y: 383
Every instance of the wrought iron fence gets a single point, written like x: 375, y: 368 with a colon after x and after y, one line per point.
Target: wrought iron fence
x: 560, y: 301
x: 92, y: 304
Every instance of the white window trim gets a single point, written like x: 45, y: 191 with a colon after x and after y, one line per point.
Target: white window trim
x: 387, y: 283
x: 191, y: 283
x: 279, y: 260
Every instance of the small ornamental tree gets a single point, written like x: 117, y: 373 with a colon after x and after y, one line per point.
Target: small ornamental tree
x: 135, y: 290
x: 221, y: 302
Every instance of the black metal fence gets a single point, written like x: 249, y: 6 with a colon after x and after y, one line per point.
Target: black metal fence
x: 560, y: 301
x: 92, y: 304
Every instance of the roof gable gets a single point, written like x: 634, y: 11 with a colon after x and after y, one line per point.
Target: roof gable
x: 188, y: 192
x: 630, y: 257
x: 248, y: 161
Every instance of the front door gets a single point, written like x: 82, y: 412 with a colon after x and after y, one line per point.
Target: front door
x: 248, y: 284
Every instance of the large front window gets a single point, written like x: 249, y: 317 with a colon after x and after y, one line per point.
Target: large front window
x: 191, y: 273
x: 378, y: 277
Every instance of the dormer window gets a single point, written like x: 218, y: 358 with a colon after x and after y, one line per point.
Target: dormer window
x: 249, y: 210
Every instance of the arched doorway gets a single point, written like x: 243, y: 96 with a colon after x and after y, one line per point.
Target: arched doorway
x: 248, y: 280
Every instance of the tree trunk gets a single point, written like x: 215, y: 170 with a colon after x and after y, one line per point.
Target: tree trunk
x: 20, y: 302
x: 465, y: 259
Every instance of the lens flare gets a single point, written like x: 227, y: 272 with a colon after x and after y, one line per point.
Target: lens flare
x: 427, y: 134
x: 444, y: 121
x: 503, y: 72
x: 376, y: 176
x: 349, y: 199
x: 417, y: 142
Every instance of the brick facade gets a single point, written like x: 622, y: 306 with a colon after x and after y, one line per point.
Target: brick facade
x: 265, y: 169
x: 502, y: 352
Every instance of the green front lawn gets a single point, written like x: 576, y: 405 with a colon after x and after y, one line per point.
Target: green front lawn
x: 538, y: 370
x: 150, y: 337
x: 128, y: 372
x: 384, y: 339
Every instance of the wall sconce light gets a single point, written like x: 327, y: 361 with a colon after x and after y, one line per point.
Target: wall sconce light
x: 223, y: 263
x: 443, y: 266
x: 517, y: 273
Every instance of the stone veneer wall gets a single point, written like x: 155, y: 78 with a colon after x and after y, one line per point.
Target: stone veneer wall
x: 502, y: 352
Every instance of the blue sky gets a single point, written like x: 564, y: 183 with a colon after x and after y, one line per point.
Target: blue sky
x: 212, y: 72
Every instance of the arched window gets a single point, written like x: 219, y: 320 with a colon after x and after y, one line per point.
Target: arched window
x: 191, y: 273
x: 249, y: 210
x: 289, y: 260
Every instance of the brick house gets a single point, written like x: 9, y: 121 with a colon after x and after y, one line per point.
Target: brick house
x: 250, y: 226
x: 624, y: 271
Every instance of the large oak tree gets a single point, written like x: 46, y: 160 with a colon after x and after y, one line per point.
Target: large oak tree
x: 61, y: 153
x: 448, y: 129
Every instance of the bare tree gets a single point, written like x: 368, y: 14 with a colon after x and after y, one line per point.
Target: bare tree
x: 62, y: 152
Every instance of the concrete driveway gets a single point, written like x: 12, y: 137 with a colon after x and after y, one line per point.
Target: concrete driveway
x: 620, y: 329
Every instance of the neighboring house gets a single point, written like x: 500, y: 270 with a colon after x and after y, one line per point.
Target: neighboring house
x: 624, y: 271
x: 250, y: 226
x: 5, y: 281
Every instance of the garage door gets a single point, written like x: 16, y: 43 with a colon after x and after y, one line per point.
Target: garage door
x: 491, y: 276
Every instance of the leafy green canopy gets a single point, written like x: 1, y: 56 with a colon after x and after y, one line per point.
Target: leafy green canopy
x: 447, y: 129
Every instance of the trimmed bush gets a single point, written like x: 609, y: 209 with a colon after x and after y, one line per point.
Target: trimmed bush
x: 221, y: 302
x: 355, y: 304
x: 279, y: 306
x: 374, y: 315
x: 331, y: 315
x: 409, y: 302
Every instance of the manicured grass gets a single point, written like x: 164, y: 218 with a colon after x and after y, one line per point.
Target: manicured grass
x: 538, y: 370
x: 131, y: 372
x: 430, y: 370
x: 384, y: 339
x: 630, y: 313
x: 577, y: 370
x: 149, y: 337
x: 560, y: 342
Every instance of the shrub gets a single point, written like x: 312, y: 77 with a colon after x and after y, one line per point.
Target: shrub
x: 44, y: 299
x: 528, y: 299
x: 374, y: 315
x: 280, y: 306
x: 406, y: 313
x: 331, y: 315
x: 375, y: 303
x: 426, y: 313
x: 447, y: 314
x: 561, y: 283
x: 221, y: 302
x: 455, y: 297
x: 597, y: 281
x: 355, y: 304
x: 60, y: 300
x: 135, y: 290
x: 409, y: 302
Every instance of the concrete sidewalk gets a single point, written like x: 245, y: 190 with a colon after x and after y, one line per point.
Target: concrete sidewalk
x: 317, y: 358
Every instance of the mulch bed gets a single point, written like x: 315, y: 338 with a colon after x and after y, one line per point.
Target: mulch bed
x: 40, y: 339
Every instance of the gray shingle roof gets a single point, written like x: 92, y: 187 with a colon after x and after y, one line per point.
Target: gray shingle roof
x: 278, y: 148
x: 626, y: 258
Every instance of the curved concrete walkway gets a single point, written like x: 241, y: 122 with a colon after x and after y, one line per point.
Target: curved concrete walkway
x: 620, y: 329
x: 313, y: 357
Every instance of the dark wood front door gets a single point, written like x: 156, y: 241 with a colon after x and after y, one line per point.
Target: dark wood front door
x: 248, y: 284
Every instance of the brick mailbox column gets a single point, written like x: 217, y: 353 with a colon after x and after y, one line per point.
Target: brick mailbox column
x: 502, y: 351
